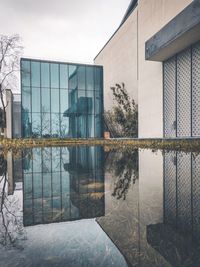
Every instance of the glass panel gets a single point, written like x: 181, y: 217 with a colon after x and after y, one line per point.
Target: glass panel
x: 35, y: 99
x: 98, y: 126
x: 28, y: 186
x: 81, y: 77
x: 37, y: 185
x: 37, y: 161
x: 54, y: 100
x: 73, y: 101
x: 72, y: 77
x: 45, y: 99
x: 98, y: 102
x: 82, y: 102
x: 27, y: 161
x: 45, y: 81
x: 54, y: 76
x: 98, y: 73
x: 64, y: 102
x: 46, y: 124
x: 90, y: 100
x: 64, y: 76
x: 73, y: 126
x: 26, y: 124
x: 82, y: 129
x: 90, y: 78
x: 90, y: 126
x: 35, y: 73
x: 36, y: 125
x: 26, y: 99
x: 55, y: 125
x: 64, y: 126
x: 25, y: 72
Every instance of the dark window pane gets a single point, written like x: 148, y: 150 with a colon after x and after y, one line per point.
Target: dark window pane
x: 25, y: 72
x: 54, y: 76
x: 90, y: 99
x: 36, y: 125
x: 64, y: 126
x: 45, y: 80
x: 55, y: 125
x: 72, y: 77
x: 90, y: 78
x: 64, y: 101
x: 81, y: 77
x: 46, y: 129
x: 64, y: 76
x: 26, y: 99
x: 45, y: 99
x: 35, y: 99
x: 54, y: 100
x: 35, y: 74
x: 26, y: 124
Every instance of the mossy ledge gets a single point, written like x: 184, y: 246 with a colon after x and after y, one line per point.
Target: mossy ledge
x: 186, y: 144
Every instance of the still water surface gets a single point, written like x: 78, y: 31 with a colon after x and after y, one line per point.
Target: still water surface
x: 91, y: 206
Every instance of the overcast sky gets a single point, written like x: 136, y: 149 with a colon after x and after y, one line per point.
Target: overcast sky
x: 68, y: 30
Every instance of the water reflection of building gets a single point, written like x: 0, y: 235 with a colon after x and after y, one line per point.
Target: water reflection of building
x: 177, y: 238
x: 62, y: 184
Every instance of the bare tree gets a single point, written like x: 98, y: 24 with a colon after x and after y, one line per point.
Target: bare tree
x: 10, y: 52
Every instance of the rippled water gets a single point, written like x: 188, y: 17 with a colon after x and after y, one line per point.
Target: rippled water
x: 92, y: 206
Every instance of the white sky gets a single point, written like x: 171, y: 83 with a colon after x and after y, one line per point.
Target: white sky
x: 66, y: 30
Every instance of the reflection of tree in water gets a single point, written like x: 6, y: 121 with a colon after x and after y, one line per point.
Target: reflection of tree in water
x: 124, y: 165
x: 11, y: 221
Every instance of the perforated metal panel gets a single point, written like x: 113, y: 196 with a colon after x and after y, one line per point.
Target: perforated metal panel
x: 181, y: 86
x: 184, y: 93
x: 170, y: 188
x: 196, y: 195
x: 196, y: 90
x: 170, y: 97
x: 184, y: 218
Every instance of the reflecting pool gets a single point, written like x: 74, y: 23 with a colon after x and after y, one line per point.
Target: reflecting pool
x: 96, y: 206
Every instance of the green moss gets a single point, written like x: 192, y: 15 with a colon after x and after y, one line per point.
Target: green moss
x: 162, y: 144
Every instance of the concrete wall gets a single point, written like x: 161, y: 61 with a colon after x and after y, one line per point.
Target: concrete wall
x: 152, y: 16
x: 119, y: 59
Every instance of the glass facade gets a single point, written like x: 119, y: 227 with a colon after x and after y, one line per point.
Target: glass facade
x: 61, y: 99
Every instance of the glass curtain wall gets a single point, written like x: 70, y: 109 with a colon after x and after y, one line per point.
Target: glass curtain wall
x: 61, y: 100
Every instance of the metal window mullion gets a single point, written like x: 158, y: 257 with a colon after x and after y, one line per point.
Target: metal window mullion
x: 191, y: 92
x: 176, y: 98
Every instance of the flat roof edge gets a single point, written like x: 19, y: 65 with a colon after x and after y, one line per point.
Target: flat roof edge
x: 182, y: 31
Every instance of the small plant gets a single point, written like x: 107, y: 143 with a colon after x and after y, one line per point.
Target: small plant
x: 124, y: 115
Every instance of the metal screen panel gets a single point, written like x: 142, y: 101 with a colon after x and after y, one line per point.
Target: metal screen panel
x: 196, y: 90
x: 184, y: 191
x: 196, y: 195
x: 170, y: 188
x: 170, y: 98
x: 184, y: 93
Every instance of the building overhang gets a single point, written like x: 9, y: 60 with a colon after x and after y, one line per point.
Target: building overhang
x: 181, y: 32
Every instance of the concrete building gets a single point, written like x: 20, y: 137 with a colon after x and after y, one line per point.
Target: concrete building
x: 159, y: 43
